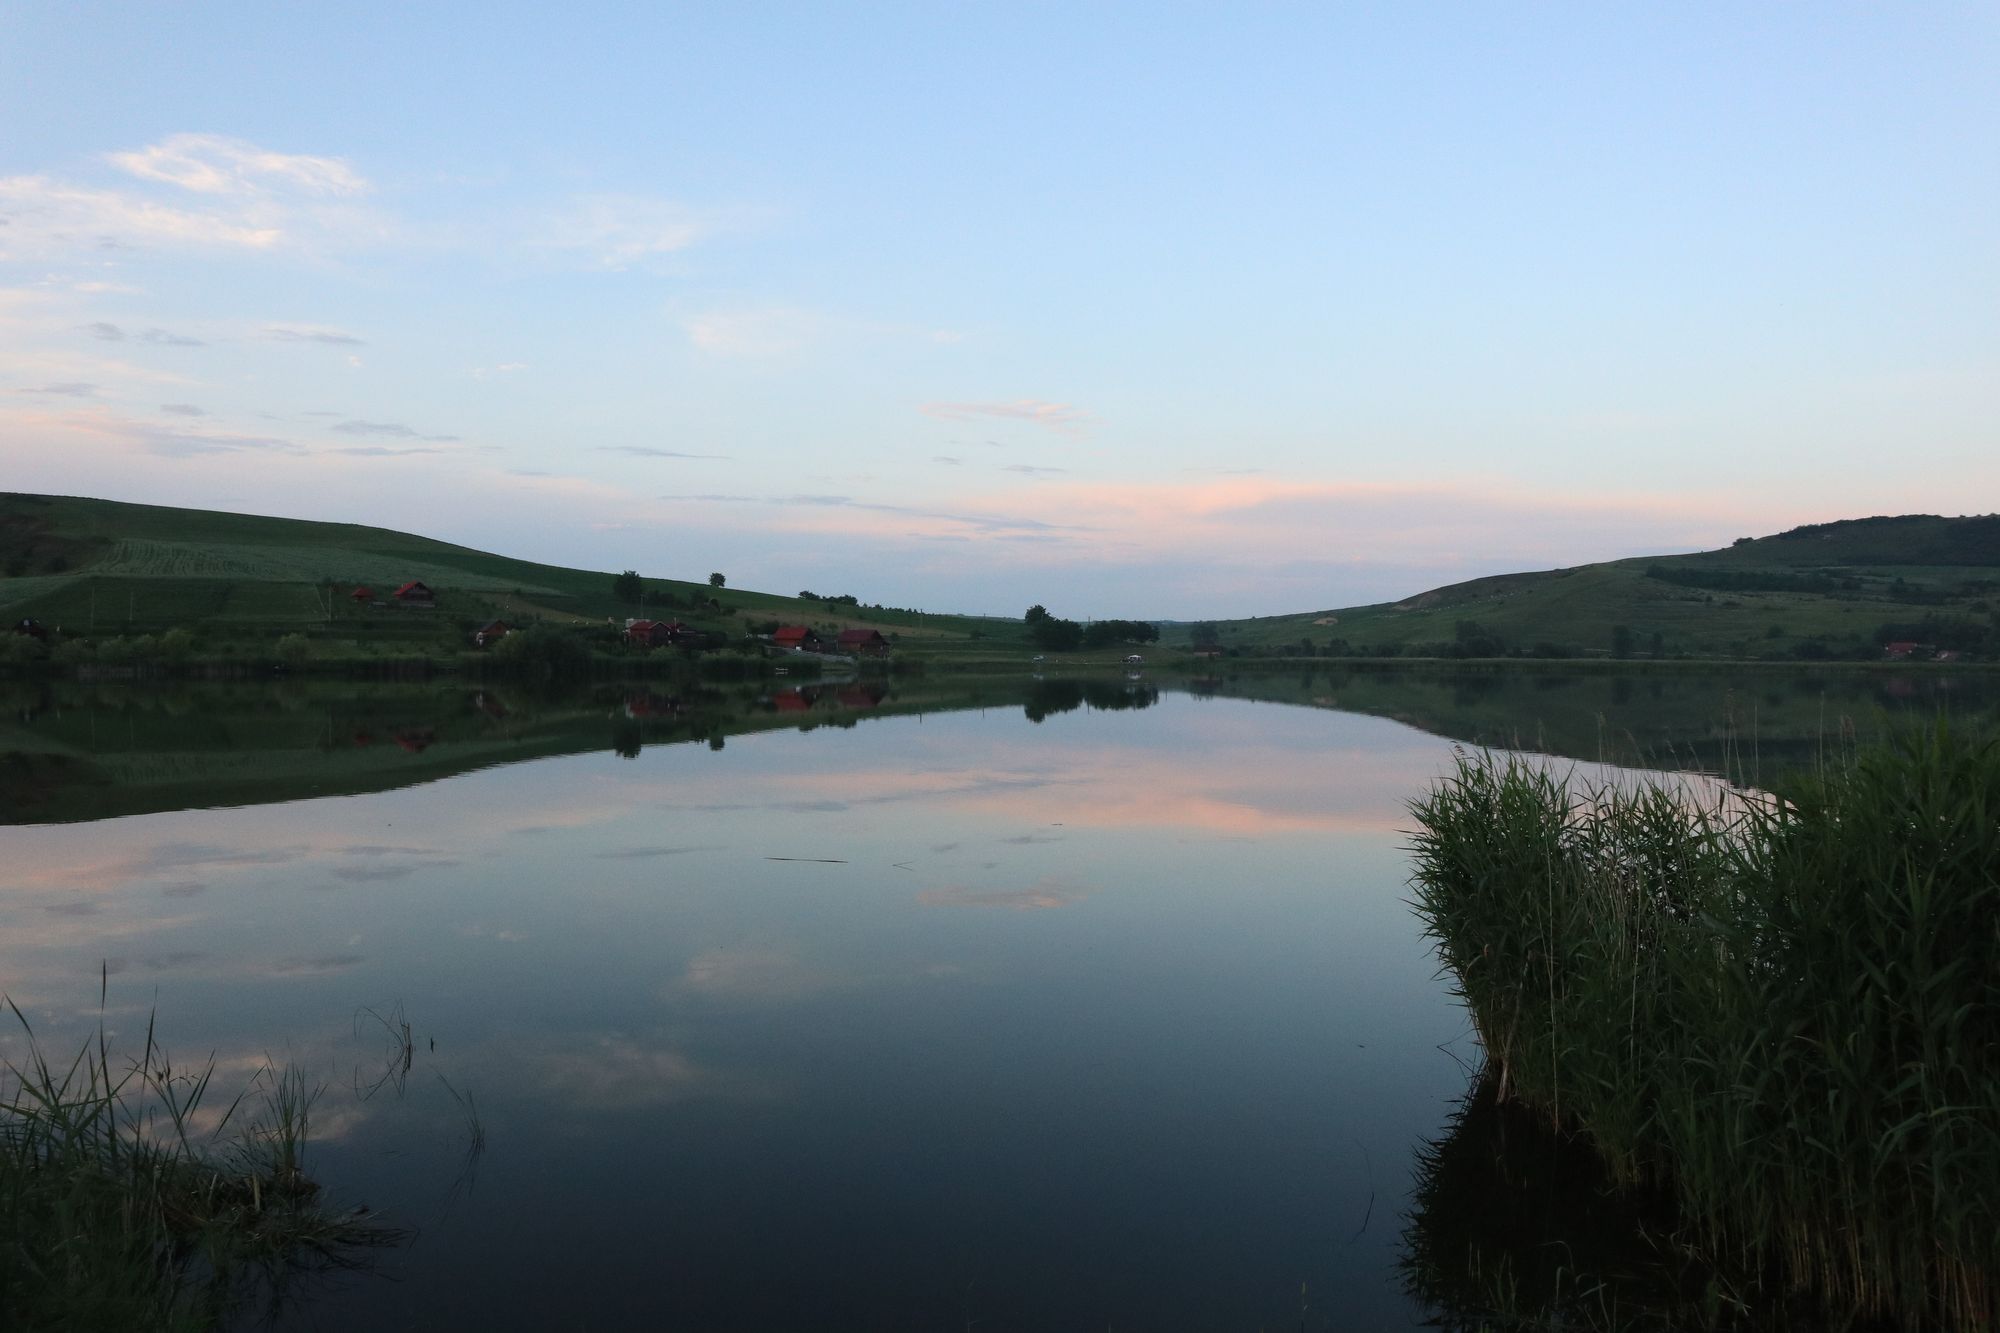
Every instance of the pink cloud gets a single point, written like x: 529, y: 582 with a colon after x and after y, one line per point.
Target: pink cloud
x: 1055, y: 416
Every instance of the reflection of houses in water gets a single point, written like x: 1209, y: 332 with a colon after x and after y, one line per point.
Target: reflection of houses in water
x: 488, y: 704
x: 416, y: 739
x: 645, y: 703
x: 804, y: 698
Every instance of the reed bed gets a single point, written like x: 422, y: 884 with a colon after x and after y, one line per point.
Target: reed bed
x: 130, y: 1200
x: 1780, y: 1008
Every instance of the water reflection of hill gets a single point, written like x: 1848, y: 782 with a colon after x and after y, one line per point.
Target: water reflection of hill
x: 72, y: 751
x: 1724, y: 721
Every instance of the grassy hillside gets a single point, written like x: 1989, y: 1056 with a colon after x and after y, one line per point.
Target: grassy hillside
x: 102, y: 568
x: 1829, y: 590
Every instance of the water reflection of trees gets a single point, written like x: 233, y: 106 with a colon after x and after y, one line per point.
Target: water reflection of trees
x: 1049, y: 697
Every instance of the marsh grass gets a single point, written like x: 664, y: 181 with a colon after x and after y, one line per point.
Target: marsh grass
x: 1782, y: 1009
x: 131, y: 1199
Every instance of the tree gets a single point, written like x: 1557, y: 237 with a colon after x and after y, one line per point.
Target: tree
x: 716, y: 580
x: 1036, y: 614
x: 628, y: 587
x: 1055, y: 633
x: 1621, y: 640
x: 1100, y: 633
x: 545, y: 650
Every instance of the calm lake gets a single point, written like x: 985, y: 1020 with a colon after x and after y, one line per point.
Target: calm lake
x: 864, y: 1005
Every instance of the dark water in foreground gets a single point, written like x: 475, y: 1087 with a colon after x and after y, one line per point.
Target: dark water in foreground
x: 951, y: 1018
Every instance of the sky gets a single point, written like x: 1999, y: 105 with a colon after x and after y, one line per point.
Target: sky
x: 1150, y: 309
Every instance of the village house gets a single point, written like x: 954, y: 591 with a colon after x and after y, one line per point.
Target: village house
x: 32, y: 628
x: 416, y: 594
x: 491, y: 633
x: 655, y: 633
x: 863, y: 642
x: 363, y: 594
x: 797, y: 638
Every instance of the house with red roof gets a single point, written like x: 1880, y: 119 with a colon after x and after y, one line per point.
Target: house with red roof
x: 415, y: 593
x: 797, y: 638
x: 863, y: 642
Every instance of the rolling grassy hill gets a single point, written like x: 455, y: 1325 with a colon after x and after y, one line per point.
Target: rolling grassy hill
x: 1828, y: 590
x: 103, y: 568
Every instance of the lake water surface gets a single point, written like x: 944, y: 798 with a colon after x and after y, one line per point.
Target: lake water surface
x: 1013, y: 1006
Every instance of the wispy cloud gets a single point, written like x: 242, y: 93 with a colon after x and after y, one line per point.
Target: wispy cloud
x: 1029, y: 470
x: 213, y: 164
x: 42, y: 217
x: 992, y: 524
x: 947, y: 459
x: 106, y: 331
x: 1053, y: 416
x: 288, y: 333
x: 620, y: 231
x: 647, y: 451
x: 182, y: 410
x: 170, y: 443
x: 394, y: 430
x: 762, y: 332
x: 189, y: 191
x: 385, y: 450
x: 65, y: 388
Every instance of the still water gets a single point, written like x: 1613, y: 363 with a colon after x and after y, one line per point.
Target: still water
x: 1028, y: 1006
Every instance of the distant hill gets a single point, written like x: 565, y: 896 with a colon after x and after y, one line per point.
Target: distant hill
x: 106, y: 568
x: 1822, y: 591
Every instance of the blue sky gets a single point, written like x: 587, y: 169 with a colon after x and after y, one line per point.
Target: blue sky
x: 1128, y: 309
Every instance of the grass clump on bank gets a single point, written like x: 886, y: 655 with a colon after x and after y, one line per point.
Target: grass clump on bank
x: 1782, y: 1010
x: 127, y: 1200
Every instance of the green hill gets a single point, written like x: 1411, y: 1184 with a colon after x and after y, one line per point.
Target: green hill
x: 103, y: 568
x: 1823, y: 591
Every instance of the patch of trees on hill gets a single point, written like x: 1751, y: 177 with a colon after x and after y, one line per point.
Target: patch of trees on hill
x: 1906, y: 539
x: 1750, y: 580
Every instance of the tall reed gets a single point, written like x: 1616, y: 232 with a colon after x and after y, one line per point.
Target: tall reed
x: 1785, y: 1009
x: 129, y: 1200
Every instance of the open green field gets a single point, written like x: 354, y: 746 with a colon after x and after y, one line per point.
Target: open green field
x: 102, y: 568
x: 1835, y: 590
